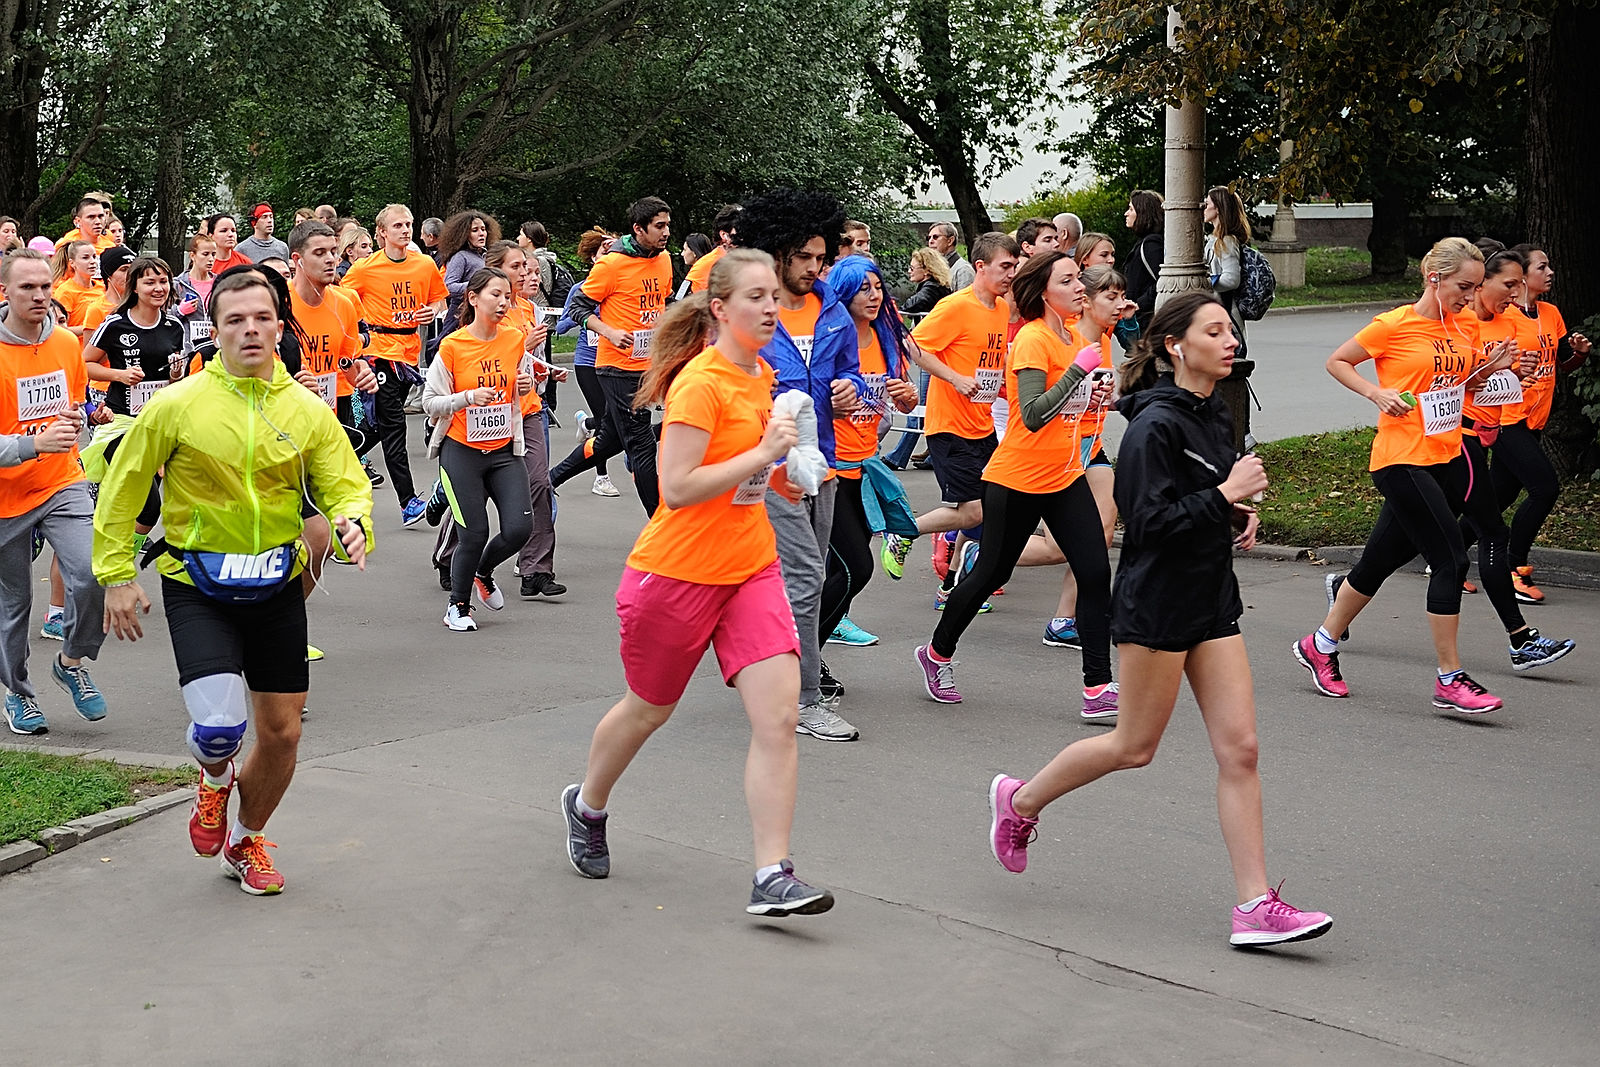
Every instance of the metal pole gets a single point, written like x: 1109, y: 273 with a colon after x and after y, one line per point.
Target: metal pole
x: 1183, y: 267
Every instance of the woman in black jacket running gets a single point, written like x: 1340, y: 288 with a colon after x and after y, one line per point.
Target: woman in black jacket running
x: 1175, y: 607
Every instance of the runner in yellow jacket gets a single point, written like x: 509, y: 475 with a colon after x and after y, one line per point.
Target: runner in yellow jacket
x: 241, y: 444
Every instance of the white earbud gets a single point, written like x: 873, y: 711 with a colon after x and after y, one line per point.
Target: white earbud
x: 1179, y: 350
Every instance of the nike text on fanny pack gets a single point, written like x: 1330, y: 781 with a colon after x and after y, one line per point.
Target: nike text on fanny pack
x: 269, y: 564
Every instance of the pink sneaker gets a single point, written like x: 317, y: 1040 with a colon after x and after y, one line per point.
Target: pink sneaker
x: 1272, y: 921
x: 1324, y: 668
x: 1465, y: 696
x: 1009, y: 833
x: 1101, y: 706
x: 939, y: 679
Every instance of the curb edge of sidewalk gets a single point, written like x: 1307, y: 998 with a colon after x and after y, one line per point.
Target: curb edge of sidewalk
x: 20, y: 855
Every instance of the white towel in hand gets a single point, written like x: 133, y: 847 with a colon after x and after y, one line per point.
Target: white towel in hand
x: 806, y: 465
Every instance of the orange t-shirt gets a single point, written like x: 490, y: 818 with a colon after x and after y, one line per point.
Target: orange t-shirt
x: 101, y: 243
x: 76, y: 297
x: 971, y: 340
x: 801, y: 324
x: 391, y: 293
x: 1044, y: 460
x: 37, y: 383
x: 700, y: 272
x: 330, y: 332
x: 1539, y: 391
x: 856, y: 435
x: 1093, y: 421
x: 632, y: 292
x: 727, y: 539
x: 1429, y: 359
x: 1490, y: 334
x: 523, y: 316
x: 235, y: 258
x: 95, y: 312
x: 474, y: 364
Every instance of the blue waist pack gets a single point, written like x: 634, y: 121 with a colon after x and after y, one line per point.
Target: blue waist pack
x: 240, y: 577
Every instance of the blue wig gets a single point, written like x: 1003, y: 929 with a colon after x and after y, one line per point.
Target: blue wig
x: 845, y: 280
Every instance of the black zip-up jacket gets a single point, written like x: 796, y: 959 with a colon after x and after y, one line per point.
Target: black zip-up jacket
x: 1175, y: 585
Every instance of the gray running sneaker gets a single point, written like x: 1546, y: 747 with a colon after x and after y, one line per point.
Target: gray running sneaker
x: 783, y: 894
x: 823, y: 723
x: 586, y: 838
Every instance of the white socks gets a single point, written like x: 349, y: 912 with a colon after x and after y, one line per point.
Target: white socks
x: 585, y: 810
x: 218, y: 783
x: 763, y: 873
x: 1324, y: 642
x: 239, y: 832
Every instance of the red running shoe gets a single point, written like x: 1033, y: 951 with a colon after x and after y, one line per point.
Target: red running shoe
x: 251, y: 865
x: 941, y: 556
x: 208, y: 819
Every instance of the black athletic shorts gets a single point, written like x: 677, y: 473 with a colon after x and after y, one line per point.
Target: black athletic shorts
x: 958, y: 463
x: 265, y: 642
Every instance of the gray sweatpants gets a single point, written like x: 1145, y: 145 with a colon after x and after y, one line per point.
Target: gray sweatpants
x: 803, y: 531
x: 67, y: 522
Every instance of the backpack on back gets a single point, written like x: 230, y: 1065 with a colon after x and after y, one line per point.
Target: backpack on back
x: 1257, y: 284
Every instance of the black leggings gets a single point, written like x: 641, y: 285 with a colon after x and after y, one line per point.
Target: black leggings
x: 150, y: 514
x: 1009, y: 519
x: 595, y: 397
x: 1420, y: 506
x: 389, y: 415
x: 1519, y: 462
x: 850, y: 562
x: 623, y: 428
x: 1482, y: 513
x: 471, y: 479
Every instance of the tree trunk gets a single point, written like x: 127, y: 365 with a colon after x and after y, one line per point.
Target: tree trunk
x: 23, y: 66
x: 1563, y: 155
x: 172, y: 223
x: 430, y: 104
x: 965, y: 194
x: 1391, y: 210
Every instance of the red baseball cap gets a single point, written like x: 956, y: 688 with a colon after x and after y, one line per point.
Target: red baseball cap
x: 259, y: 210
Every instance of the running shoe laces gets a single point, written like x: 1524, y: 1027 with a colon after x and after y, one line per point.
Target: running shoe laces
x: 211, y: 805
x: 1333, y: 667
x: 1024, y: 832
x: 944, y: 673
x: 254, y: 850
x: 1471, y: 686
x: 80, y: 675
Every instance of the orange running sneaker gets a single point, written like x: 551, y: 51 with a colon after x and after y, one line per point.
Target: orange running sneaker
x: 252, y: 866
x: 208, y: 819
x: 1522, y: 585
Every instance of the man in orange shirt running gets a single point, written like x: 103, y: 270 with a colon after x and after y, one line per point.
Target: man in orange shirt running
x: 42, y: 487
x: 621, y: 300
x: 400, y: 290
x: 89, y: 223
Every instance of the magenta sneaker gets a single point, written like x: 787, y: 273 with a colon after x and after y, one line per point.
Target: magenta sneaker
x: 1465, y: 696
x: 1009, y: 833
x: 1100, y: 707
x: 1324, y: 668
x: 939, y: 679
x: 1273, y: 922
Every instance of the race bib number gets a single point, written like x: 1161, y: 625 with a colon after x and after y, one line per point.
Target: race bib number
x: 1441, y: 410
x: 41, y: 396
x: 641, y: 343
x: 491, y: 422
x: 591, y: 339
x: 199, y: 330
x: 874, y: 402
x: 989, y: 379
x: 328, y: 388
x: 1501, y: 387
x: 753, y: 490
x: 1078, y: 402
x: 805, y: 344
x: 139, y: 395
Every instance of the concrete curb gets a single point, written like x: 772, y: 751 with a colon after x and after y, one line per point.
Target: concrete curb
x: 1367, y: 305
x: 21, y: 854
x: 1558, y: 568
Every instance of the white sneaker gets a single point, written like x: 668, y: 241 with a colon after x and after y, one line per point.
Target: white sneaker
x: 603, y: 486
x: 582, y: 421
x: 459, y: 618
x: 487, y: 592
x: 825, y: 724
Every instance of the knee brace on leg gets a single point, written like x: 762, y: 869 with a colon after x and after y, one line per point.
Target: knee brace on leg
x: 216, y: 705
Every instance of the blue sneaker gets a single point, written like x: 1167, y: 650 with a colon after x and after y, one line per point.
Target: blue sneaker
x: 941, y: 595
x: 54, y: 629
x: 80, y: 687
x: 848, y: 633
x: 1062, y: 633
x: 23, y: 715
x: 1538, y: 650
x: 414, y: 511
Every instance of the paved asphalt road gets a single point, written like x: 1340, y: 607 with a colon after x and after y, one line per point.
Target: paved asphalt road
x: 431, y: 916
